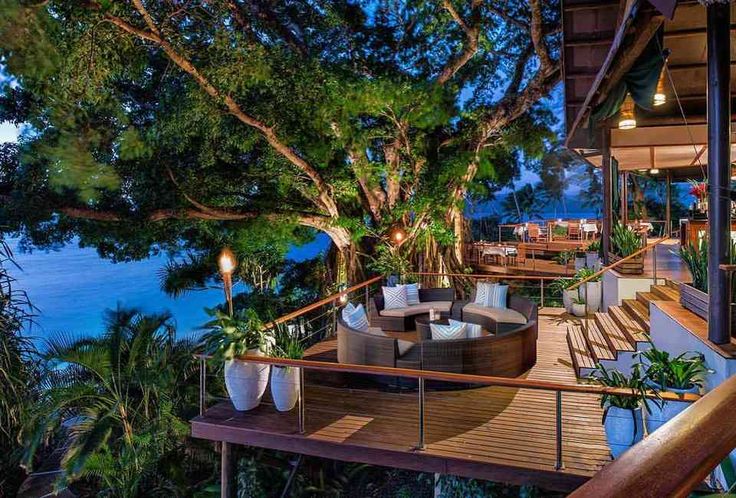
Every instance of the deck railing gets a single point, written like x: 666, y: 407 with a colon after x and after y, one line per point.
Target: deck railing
x: 421, y: 376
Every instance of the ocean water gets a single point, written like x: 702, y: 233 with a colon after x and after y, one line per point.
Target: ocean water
x: 72, y: 287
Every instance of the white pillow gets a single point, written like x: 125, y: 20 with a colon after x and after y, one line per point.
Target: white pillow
x: 484, y: 292
x: 357, y: 319
x: 447, y: 332
x: 394, y: 298
x: 412, y: 293
x: 472, y: 330
x: 347, y: 311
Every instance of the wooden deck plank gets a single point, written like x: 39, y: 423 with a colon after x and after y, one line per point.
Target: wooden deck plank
x: 597, y: 342
x: 496, y: 433
x: 665, y: 293
x: 582, y: 357
x: 645, y: 298
x: 621, y: 328
x: 640, y: 314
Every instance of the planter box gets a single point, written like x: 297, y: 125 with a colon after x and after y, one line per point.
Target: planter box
x: 633, y: 266
x: 697, y: 301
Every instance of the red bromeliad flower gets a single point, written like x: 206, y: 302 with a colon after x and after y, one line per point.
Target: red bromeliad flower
x: 699, y: 190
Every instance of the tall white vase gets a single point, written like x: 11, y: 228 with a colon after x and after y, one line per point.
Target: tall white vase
x: 246, y: 381
x: 594, y: 295
x: 568, y: 296
x: 285, y: 387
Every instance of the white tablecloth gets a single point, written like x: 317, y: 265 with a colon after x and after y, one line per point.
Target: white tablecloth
x: 590, y: 228
x: 499, y: 251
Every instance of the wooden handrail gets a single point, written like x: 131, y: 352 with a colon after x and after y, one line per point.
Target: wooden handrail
x: 614, y: 265
x: 329, y: 299
x: 487, y: 275
x: 677, y: 457
x: 455, y: 377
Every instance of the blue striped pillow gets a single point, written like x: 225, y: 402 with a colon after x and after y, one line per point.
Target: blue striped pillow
x: 412, y: 293
x: 347, y: 311
x: 447, y: 332
x: 472, y: 330
x: 394, y: 298
x: 500, y: 294
x: 358, y: 320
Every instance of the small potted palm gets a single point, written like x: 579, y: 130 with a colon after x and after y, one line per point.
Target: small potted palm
x: 230, y: 337
x: 593, y: 255
x: 560, y: 285
x: 681, y: 374
x: 592, y: 290
x: 624, y: 243
x: 288, y: 344
x: 622, y: 415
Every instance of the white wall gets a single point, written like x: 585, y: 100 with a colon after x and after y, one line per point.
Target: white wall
x: 617, y: 287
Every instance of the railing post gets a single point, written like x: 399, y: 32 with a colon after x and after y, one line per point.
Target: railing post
x: 301, y: 402
x: 654, y: 262
x: 420, y: 445
x: 541, y: 293
x: 558, y: 424
x: 202, y: 384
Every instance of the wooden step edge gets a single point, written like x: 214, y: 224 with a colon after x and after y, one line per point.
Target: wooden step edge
x: 581, y: 358
x: 625, y: 323
x: 644, y: 298
x: 665, y: 293
x: 601, y: 319
x: 598, y: 343
x: 672, y: 284
x: 632, y: 308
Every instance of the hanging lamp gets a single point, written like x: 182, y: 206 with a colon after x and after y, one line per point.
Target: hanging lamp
x: 627, y: 120
x: 660, y: 97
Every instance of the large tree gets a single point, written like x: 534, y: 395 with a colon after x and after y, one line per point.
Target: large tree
x: 152, y: 123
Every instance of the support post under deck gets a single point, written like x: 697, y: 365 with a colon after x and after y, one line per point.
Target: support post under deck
x: 718, y: 36
x: 607, y: 193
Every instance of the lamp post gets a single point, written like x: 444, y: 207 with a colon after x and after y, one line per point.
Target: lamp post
x: 227, y: 263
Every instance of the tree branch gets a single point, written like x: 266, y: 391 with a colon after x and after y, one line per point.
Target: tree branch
x: 470, y: 45
x: 326, y: 201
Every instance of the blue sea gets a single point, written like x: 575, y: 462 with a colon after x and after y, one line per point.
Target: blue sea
x: 71, y: 287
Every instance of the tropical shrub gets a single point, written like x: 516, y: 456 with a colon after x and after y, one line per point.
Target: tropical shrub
x: 636, y: 382
x: 288, y: 342
x: 388, y: 261
x: 228, y: 337
x: 594, y: 246
x: 685, y: 371
x: 624, y: 241
x: 695, y: 257
x: 19, y: 373
x: 117, y: 406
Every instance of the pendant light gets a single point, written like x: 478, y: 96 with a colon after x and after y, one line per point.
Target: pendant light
x: 627, y: 120
x: 660, y: 98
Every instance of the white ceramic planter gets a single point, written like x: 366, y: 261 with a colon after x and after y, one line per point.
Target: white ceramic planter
x: 592, y: 260
x: 568, y: 296
x: 285, y: 387
x: 660, y: 416
x: 578, y: 309
x: 580, y: 263
x: 246, y: 381
x: 593, y: 294
x: 624, y: 428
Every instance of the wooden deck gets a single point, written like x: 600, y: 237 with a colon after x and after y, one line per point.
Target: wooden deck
x: 493, y: 433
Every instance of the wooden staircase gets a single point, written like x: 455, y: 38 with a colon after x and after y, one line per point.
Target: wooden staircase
x: 618, y: 330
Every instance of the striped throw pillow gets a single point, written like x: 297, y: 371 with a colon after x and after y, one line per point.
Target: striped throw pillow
x: 412, y: 293
x: 347, y: 310
x: 358, y: 320
x: 394, y: 298
x: 447, y: 332
x: 500, y: 294
x: 484, y: 293
x: 472, y: 330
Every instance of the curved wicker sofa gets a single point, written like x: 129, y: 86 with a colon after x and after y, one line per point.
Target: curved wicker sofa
x: 442, y: 299
x: 509, y: 354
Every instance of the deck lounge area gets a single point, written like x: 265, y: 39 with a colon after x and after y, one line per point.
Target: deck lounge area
x: 497, y: 433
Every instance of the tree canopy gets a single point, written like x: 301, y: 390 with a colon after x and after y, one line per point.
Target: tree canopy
x: 187, y: 124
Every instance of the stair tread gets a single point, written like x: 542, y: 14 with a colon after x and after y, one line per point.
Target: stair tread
x: 666, y: 293
x: 579, y: 351
x: 619, y: 328
x: 645, y: 298
x: 597, y: 342
x: 640, y: 314
x: 672, y: 284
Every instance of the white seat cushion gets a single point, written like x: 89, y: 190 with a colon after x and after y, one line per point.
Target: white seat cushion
x: 447, y: 332
x: 418, y: 309
x: 500, y: 315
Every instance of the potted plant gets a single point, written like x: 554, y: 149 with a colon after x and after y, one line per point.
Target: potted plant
x: 564, y: 258
x: 561, y: 285
x: 694, y: 295
x: 578, y: 307
x: 622, y: 415
x: 592, y: 290
x: 230, y: 337
x: 285, y: 379
x: 580, y: 260
x: 624, y: 243
x: 681, y: 374
x: 593, y: 255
